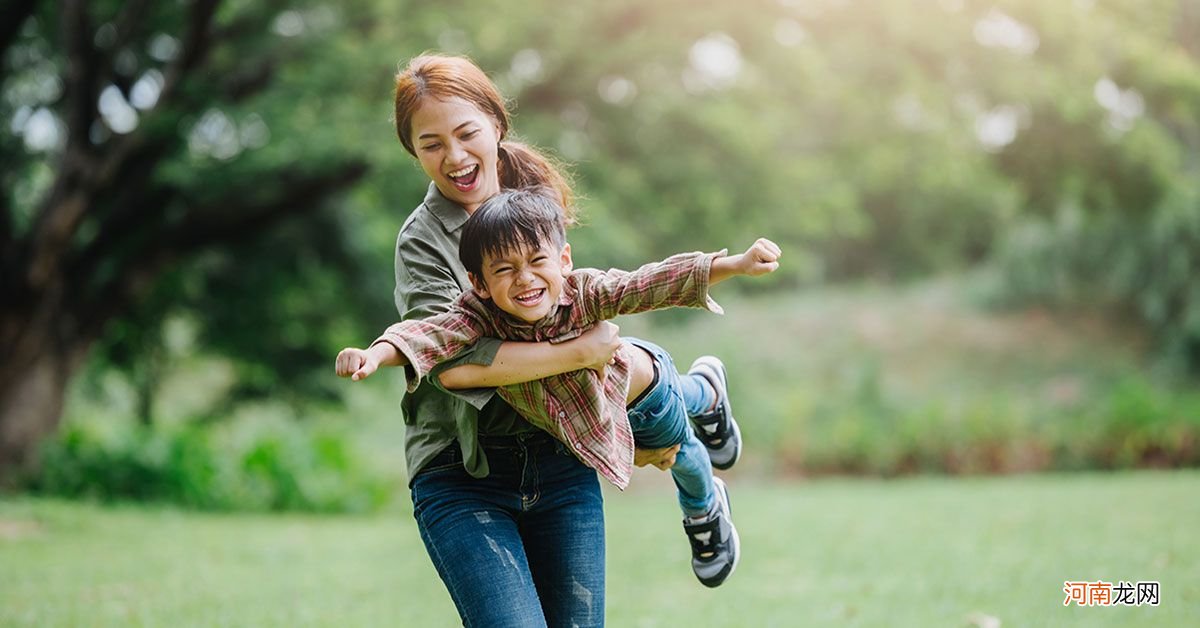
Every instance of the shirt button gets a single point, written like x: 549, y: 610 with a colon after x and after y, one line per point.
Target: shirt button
x: 562, y: 415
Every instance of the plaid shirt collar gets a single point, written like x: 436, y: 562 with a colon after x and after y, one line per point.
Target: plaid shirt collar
x: 544, y: 326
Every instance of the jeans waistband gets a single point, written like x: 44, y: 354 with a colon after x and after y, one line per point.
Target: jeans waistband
x: 516, y: 441
x: 649, y: 387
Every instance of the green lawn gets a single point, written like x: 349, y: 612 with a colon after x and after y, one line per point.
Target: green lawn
x: 913, y: 552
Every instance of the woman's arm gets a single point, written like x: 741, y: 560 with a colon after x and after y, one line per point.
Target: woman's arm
x: 519, y: 362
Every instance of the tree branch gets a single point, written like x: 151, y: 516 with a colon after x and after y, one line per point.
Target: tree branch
x: 249, y: 80
x: 126, y: 26
x: 228, y: 219
x: 80, y: 174
x: 81, y: 81
x: 11, y: 22
x: 58, y: 214
x: 197, y: 41
x: 232, y: 218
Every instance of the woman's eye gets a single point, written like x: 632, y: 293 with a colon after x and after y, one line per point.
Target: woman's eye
x: 431, y: 147
x: 539, y: 259
x: 469, y: 134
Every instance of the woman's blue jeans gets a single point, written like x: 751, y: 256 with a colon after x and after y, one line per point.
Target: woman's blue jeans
x: 659, y: 418
x: 523, y: 546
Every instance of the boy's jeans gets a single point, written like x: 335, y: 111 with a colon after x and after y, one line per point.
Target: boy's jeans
x: 660, y: 419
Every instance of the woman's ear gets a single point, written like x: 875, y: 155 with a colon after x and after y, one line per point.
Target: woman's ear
x: 565, y: 262
x: 479, y: 285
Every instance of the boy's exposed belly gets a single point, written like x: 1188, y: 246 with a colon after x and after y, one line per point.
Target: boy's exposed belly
x: 641, y: 370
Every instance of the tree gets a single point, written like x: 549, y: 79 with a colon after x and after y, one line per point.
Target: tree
x: 140, y: 144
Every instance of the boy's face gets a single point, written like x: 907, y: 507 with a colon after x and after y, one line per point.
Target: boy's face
x: 525, y: 282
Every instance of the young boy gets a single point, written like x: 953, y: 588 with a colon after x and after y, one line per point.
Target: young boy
x: 515, y: 251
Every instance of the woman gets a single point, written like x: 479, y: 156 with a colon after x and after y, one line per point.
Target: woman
x: 513, y: 523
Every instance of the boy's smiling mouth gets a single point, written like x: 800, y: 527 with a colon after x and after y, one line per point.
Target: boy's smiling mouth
x: 530, y: 297
x: 464, y: 178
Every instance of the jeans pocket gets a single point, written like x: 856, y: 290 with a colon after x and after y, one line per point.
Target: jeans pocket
x: 447, y: 459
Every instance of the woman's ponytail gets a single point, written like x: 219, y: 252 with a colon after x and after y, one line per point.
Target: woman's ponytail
x: 522, y: 166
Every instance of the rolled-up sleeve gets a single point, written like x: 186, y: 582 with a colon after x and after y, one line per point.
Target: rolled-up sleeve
x: 426, y: 286
x: 679, y: 281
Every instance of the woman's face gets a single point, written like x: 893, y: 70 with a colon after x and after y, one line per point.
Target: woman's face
x: 457, y: 146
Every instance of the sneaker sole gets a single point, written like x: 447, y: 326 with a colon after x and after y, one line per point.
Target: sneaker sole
x: 737, y: 542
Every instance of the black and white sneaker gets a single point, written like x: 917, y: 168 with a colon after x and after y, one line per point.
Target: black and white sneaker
x: 717, y: 429
x: 714, y: 540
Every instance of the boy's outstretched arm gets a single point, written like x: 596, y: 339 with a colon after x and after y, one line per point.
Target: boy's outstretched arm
x: 761, y: 258
x: 360, y: 363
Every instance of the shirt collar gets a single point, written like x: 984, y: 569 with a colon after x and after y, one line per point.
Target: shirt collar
x: 450, y: 214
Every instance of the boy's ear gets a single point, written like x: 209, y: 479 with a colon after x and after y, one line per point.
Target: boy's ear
x: 566, y: 258
x: 480, y: 287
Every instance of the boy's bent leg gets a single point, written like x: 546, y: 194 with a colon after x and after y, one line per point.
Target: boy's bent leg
x: 659, y: 419
x: 716, y: 428
x: 563, y: 529
x: 472, y: 537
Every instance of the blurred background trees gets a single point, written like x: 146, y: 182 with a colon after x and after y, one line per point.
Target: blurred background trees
x: 217, y: 184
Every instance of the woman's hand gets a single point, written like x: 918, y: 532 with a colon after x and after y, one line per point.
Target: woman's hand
x: 663, y: 458
x: 598, y: 346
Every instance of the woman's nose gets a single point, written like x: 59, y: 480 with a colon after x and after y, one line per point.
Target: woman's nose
x: 455, y: 152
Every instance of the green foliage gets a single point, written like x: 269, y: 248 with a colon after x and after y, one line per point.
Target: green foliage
x: 1142, y: 267
x: 273, y: 466
x: 889, y: 382
x: 1136, y: 424
x: 1111, y: 184
x: 862, y: 136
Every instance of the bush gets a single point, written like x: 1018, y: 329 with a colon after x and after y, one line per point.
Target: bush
x: 1140, y: 266
x: 273, y: 465
x: 1134, y: 424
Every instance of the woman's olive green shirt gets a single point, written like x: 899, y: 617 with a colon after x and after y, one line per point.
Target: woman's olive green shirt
x: 429, y: 277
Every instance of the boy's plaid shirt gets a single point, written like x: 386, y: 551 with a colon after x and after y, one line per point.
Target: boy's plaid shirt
x: 585, y: 414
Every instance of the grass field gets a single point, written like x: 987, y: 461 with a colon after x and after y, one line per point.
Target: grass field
x: 911, y: 552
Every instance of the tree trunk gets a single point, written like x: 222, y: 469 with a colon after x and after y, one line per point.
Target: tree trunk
x: 33, y: 385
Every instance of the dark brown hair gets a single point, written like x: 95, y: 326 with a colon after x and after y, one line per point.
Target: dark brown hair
x: 442, y: 76
x: 509, y: 221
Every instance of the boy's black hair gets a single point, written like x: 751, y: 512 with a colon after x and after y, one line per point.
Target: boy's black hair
x: 512, y: 219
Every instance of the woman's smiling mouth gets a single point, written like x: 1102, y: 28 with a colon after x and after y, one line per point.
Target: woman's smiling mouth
x: 464, y: 178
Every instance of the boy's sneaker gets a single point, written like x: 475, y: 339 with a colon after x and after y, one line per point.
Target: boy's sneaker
x: 714, y: 540
x: 717, y: 429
